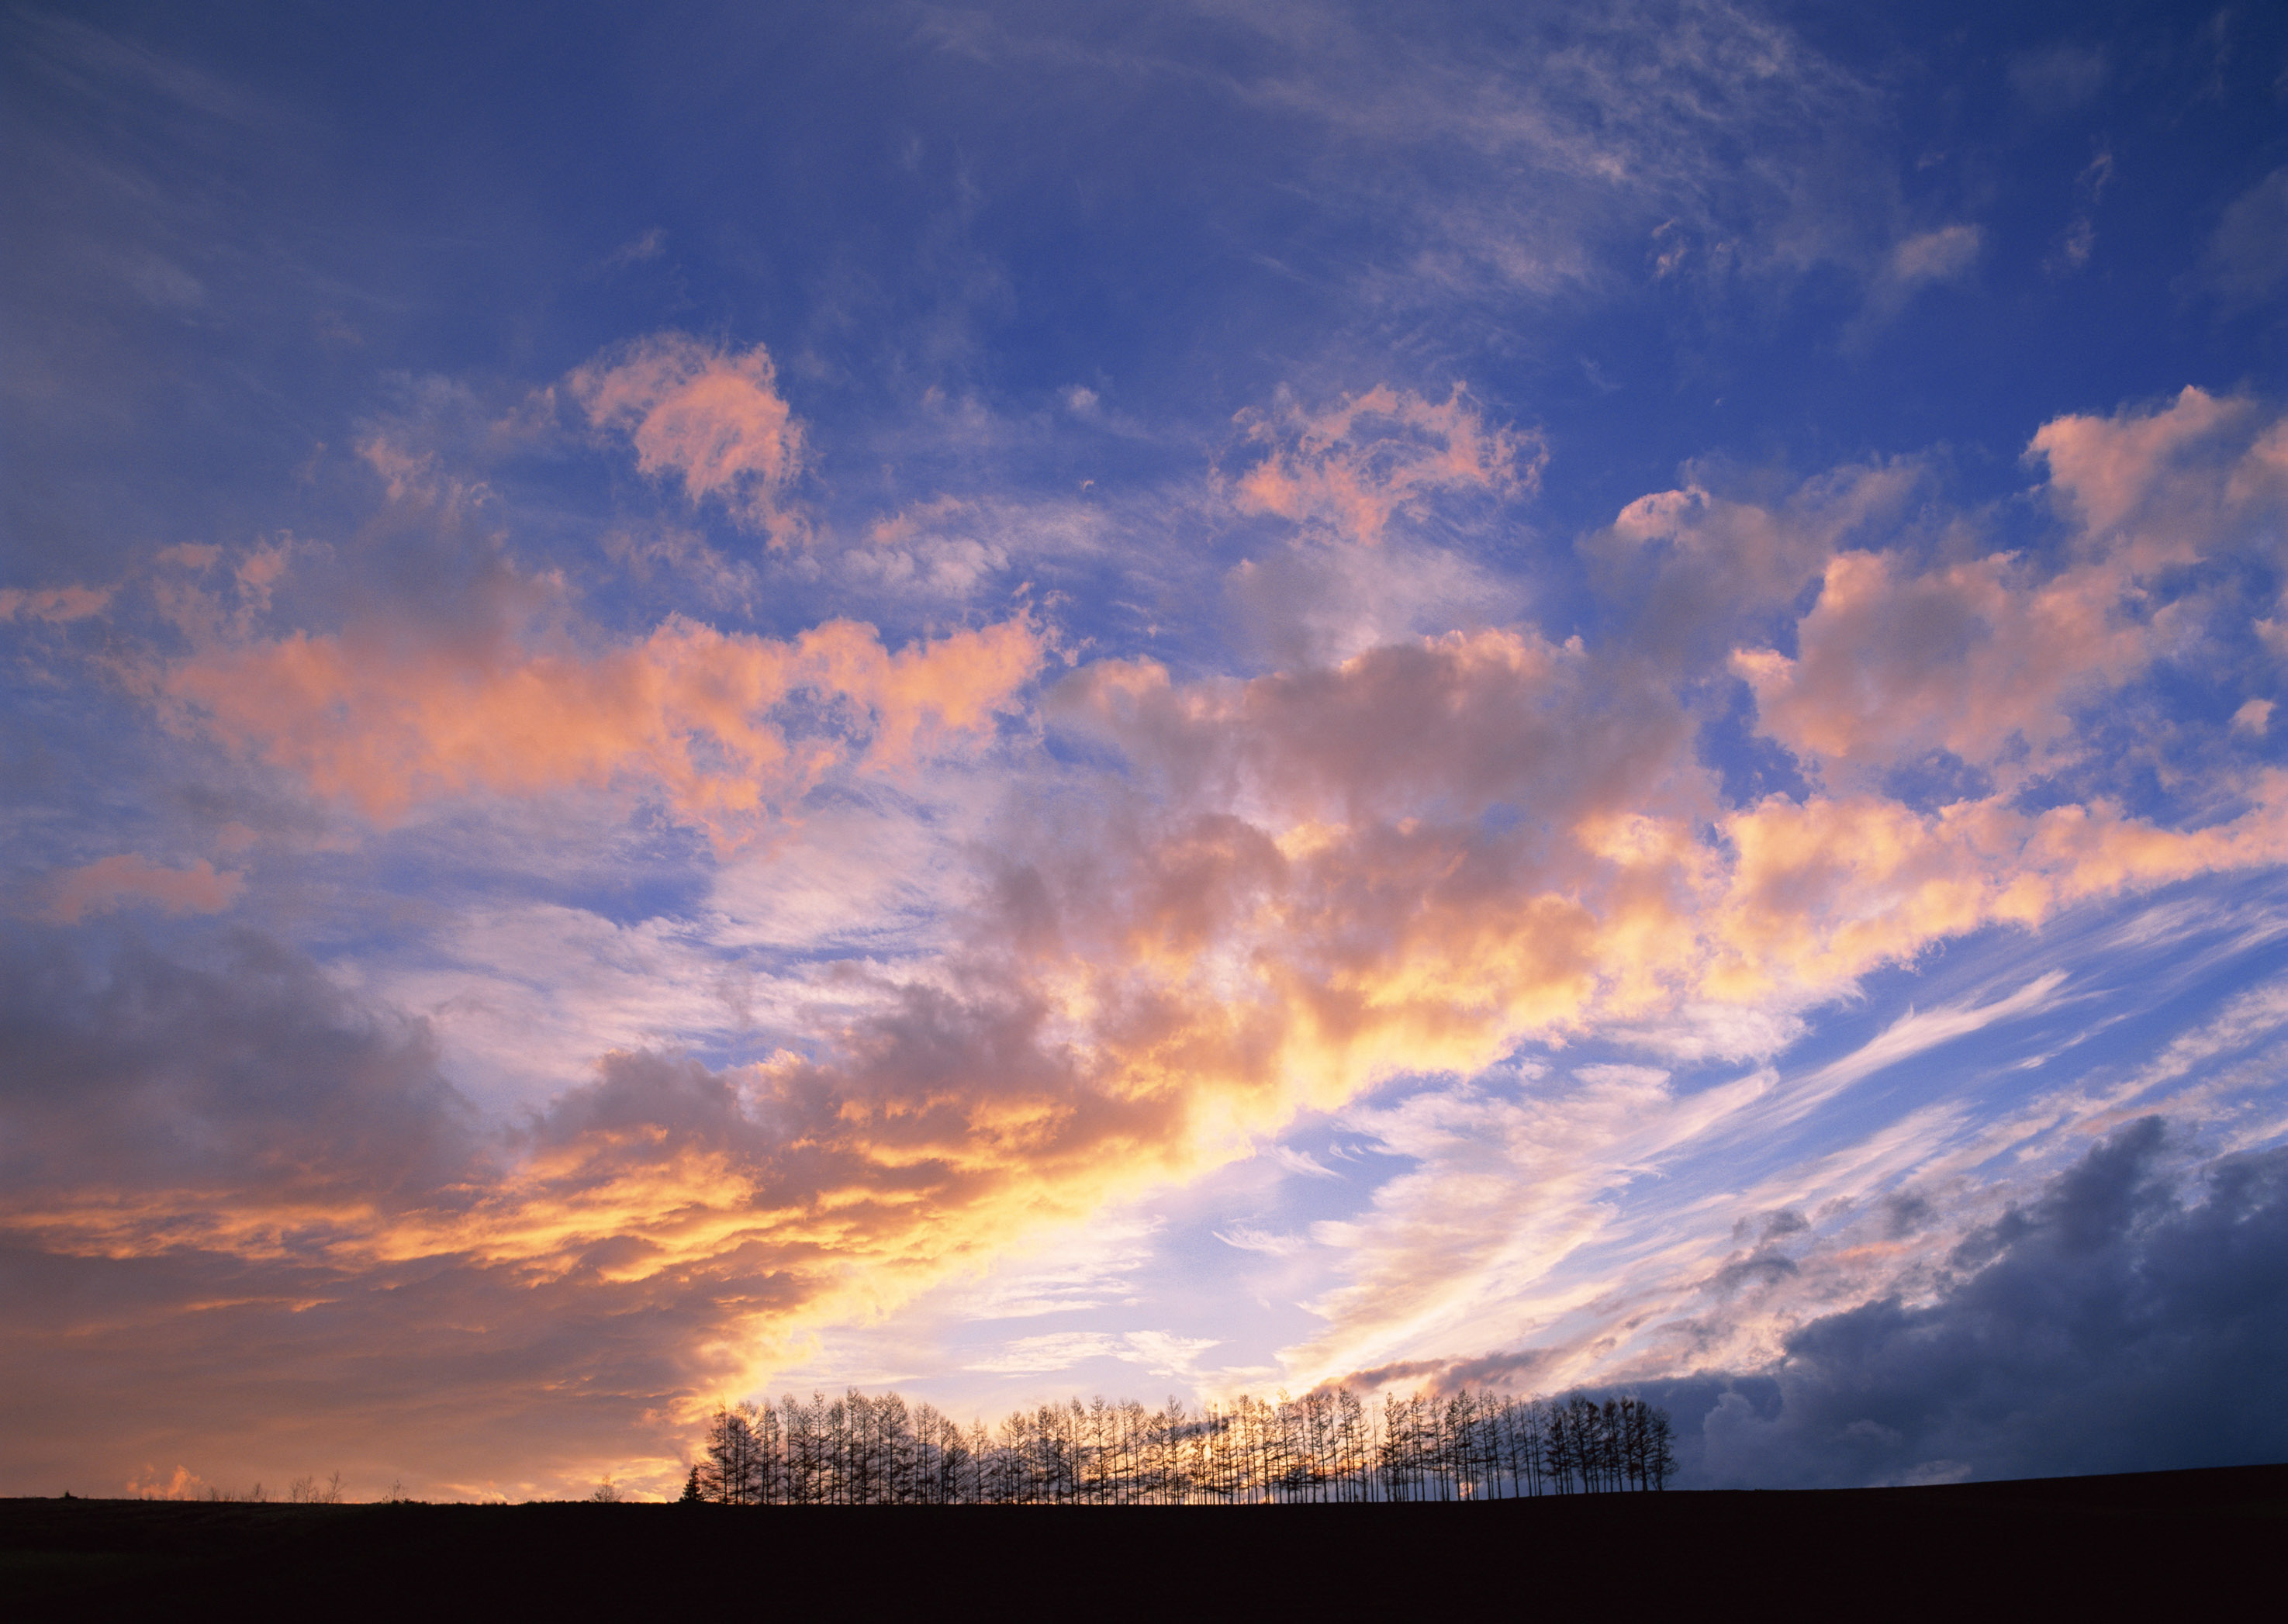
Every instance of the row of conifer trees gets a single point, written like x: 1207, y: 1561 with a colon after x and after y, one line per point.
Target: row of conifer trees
x: 1324, y: 1446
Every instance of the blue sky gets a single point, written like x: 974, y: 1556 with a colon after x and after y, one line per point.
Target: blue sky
x: 1024, y: 700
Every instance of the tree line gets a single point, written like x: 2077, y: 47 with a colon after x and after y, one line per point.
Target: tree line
x: 1326, y: 1446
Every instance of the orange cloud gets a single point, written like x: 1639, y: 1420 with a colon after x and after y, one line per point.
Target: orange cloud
x: 731, y: 728
x: 1351, y: 469
x: 1825, y: 891
x: 712, y: 418
x: 121, y: 881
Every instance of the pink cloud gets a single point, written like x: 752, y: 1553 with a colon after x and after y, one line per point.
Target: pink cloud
x: 125, y: 880
x: 712, y: 418
x: 2146, y: 484
x: 52, y: 604
x: 1992, y: 658
x: 1350, y: 469
x: 1965, y: 658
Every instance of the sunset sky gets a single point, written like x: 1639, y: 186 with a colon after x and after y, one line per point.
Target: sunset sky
x: 1039, y: 700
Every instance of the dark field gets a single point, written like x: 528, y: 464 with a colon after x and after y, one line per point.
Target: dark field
x: 2178, y: 1541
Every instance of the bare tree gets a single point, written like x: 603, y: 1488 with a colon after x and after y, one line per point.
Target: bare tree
x: 1323, y: 1447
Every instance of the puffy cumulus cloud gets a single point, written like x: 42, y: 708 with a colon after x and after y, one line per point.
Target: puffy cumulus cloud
x: 1435, y: 849
x: 730, y: 728
x: 1691, y: 569
x: 1967, y: 658
x: 126, y: 879
x: 1993, y: 660
x: 1347, y: 470
x: 1404, y: 860
x: 2110, y: 1326
x: 712, y: 417
x: 2173, y: 485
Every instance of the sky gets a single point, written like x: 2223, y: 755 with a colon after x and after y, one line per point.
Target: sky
x: 1031, y: 701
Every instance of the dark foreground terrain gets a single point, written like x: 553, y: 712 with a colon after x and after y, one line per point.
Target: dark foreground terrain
x: 2182, y: 1540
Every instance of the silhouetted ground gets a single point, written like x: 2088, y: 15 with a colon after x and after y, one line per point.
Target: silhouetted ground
x: 2179, y: 1541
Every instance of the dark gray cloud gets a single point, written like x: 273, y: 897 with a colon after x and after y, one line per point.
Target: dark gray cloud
x: 251, y: 1073
x: 2120, y: 1322
x: 2117, y: 1324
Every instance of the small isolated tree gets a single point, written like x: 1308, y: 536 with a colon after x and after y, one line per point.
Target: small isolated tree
x: 607, y: 1492
x: 691, y: 1495
x: 310, y: 1492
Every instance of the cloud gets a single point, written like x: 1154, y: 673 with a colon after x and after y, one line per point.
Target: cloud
x: 276, y: 1191
x: 1159, y: 1352
x: 1040, y: 1355
x: 1692, y: 569
x: 1935, y: 256
x: 2058, y: 78
x: 1543, y: 158
x: 1301, y: 1161
x: 2110, y: 1326
x: 2166, y: 486
x: 281, y: 1176
x: 1991, y: 660
x: 52, y: 604
x: 1347, y: 470
x: 1972, y: 659
x: 713, y: 418
x: 1919, y: 1030
x: 126, y: 879
x: 1247, y: 1237
x: 2247, y: 255
x: 1913, y: 262
x: 640, y: 249
x: 946, y: 548
x: 729, y: 729
x: 1584, y: 1217
x: 1207, y: 903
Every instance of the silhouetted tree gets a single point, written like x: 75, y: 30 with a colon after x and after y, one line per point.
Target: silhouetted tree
x: 1323, y: 1447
